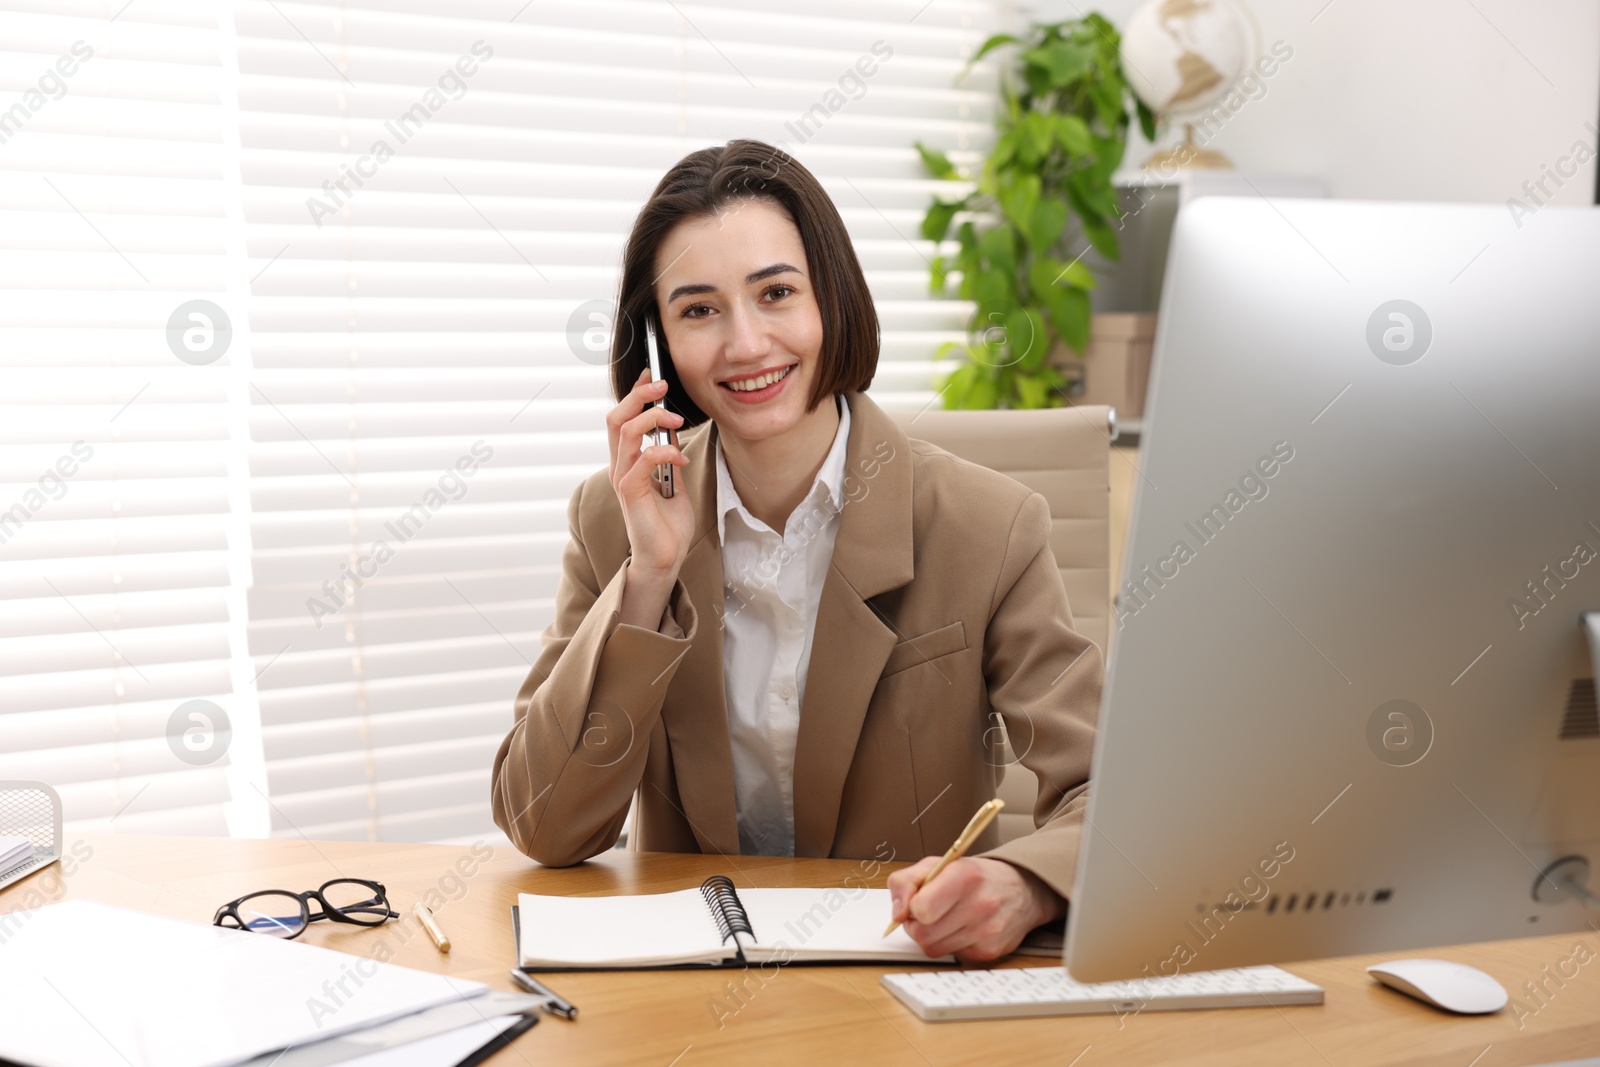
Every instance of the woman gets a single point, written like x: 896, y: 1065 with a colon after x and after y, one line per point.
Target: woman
x: 803, y: 651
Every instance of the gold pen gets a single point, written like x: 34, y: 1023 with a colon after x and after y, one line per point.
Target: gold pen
x: 980, y: 822
x: 430, y: 924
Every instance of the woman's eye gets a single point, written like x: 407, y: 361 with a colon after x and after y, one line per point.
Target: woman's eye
x: 689, y: 312
x: 779, y: 291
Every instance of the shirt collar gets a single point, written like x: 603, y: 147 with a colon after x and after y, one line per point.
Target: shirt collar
x: 830, y: 478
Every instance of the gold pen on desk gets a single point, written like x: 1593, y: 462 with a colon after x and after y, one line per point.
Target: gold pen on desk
x: 431, y: 924
x: 980, y: 822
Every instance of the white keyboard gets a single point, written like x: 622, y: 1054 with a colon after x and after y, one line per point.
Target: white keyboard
x: 1003, y: 994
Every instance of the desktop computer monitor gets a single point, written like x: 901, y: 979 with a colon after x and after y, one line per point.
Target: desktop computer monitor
x: 1350, y: 703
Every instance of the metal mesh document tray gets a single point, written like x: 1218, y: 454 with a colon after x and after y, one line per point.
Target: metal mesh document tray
x: 31, y: 810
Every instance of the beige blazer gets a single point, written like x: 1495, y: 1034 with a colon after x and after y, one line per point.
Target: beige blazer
x: 942, y: 614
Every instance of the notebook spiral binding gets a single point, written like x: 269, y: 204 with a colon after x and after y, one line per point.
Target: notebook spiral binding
x: 726, y: 909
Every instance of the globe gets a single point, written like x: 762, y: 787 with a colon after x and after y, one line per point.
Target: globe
x: 1181, y: 56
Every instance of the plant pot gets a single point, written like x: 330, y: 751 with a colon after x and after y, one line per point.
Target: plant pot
x: 1115, y: 366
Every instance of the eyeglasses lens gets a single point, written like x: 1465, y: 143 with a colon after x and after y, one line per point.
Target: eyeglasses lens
x: 277, y: 914
x: 357, y: 901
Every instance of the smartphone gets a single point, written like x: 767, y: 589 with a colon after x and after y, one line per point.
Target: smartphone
x: 665, y: 480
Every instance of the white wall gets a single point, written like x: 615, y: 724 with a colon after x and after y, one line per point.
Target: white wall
x: 1457, y: 100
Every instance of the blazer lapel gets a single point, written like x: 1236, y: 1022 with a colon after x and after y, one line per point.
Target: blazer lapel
x: 696, y: 712
x: 871, y: 555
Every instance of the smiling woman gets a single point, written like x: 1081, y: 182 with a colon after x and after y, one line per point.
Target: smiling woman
x: 782, y: 658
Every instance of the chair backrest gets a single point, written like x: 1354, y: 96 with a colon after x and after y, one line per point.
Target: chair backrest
x: 1063, y: 454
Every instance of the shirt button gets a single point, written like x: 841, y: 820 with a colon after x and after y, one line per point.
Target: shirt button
x: 786, y: 693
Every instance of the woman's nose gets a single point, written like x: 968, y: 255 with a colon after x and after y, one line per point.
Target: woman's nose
x: 750, y: 337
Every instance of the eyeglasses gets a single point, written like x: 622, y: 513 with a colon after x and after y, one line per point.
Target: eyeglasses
x: 280, y: 913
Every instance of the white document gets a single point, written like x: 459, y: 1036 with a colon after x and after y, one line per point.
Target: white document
x: 86, y: 984
x: 14, y: 851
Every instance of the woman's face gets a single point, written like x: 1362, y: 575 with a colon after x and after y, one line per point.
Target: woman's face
x: 741, y: 318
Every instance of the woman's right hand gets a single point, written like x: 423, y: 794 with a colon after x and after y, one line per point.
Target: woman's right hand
x: 659, y: 528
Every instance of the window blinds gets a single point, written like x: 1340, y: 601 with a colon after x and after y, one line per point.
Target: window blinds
x: 120, y: 628
x: 431, y: 200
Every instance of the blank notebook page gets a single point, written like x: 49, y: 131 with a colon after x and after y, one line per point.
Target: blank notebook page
x: 655, y: 928
x: 837, y: 923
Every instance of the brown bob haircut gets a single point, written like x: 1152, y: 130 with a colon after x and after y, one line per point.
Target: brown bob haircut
x: 701, y: 185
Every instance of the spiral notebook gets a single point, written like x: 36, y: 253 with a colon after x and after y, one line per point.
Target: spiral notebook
x: 715, y: 925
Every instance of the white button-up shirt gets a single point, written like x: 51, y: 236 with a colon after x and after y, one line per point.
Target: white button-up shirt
x: 772, y: 584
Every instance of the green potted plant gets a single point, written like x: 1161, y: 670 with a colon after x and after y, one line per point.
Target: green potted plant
x: 1062, y: 132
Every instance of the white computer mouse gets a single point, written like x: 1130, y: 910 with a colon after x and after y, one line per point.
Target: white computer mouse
x: 1451, y: 986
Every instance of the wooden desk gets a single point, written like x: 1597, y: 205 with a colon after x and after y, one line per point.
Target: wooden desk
x: 820, y: 1016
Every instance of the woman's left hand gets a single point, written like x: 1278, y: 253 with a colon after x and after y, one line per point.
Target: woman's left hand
x: 977, y: 909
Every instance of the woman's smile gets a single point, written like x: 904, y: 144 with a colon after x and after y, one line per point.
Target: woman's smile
x: 760, y: 386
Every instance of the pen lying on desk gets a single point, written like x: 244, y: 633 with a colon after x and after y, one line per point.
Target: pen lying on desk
x: 431, y: 924
x: 554, y: 1002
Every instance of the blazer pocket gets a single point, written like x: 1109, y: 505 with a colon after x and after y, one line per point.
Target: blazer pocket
x: 925, y: 648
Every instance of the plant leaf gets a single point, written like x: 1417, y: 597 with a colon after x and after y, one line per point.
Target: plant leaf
x: 1027, y: 338
x: 1103, y: 237
x: 1042, y: 273
x: 1044, y: 228
x: 1078, y: 275
x: 1019, y: 199
x: 1072, y: 133
x: 959, y: 382
x: 937, y: 162
x: 1041, y: 133
x: 1147, y: 120
x: 967, y: 261
x: 1095, y: 193
x: 1102, y: 29
x: 1004, y: 149
x: 1067, y: 62
x: 999, y: 247
x: 1108, y: 152
x: 1038, y: 81
x: 990, y: 45
x: 994, y: 288
x: 1033, y: 392
x: 990, y: 329
x: 1108, y: 105
x: 936, y: 224
x: 1046, y: 273
x: 983, y: 393
x: 1069, y: 314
